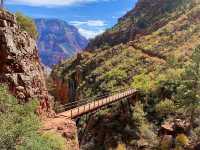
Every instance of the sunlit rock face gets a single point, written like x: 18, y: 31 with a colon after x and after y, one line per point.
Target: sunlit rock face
x: 58, y: 40
x: 20, y: 67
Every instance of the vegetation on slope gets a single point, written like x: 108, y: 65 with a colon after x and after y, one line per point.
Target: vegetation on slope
x: 19, y: 126
x: 145, y: 18
x: 174, y: 96
x: 110, y: 68
x: 27, y: 24
x: 161, y: 64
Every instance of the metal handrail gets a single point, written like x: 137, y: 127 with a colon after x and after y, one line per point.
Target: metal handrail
x: 79, y: 104
x: 89, y: 100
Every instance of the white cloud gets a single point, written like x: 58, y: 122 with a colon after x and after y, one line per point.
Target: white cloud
x: 92, y: 23
x: 89, y: 34
x: 51, y: 2
x: 90, y: 28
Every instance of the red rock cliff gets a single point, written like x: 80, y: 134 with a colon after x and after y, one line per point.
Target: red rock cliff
x: 20, y: 66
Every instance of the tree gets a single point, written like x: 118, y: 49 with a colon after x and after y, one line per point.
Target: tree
x: 165, y: 107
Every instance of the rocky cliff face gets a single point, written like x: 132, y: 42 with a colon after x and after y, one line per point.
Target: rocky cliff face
x: 20, y: 66
x: 66, y: 89
x: 22, y: 72
x: 58, y: 40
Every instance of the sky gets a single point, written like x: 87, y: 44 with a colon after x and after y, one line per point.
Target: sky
x: 91, y: 17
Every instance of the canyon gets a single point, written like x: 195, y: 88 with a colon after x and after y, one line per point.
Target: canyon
x: 154, y: 49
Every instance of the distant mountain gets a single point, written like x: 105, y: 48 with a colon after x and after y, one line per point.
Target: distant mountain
x: 58, y: 40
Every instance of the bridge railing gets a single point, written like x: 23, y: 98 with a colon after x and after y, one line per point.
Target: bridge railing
x: 85, y: 101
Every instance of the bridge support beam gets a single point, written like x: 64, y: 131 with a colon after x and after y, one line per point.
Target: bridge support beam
x: 133, y: 99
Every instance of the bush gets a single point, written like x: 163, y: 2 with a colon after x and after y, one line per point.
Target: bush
x: 142, y: 82
x: 142, y: 23
x: 49, y: 139
x: 196, y: 134
x: 165, y: 107
x: 19, y: 126
x: 27, y: 24
x: 181, y: 141
x: 121, y: 147
x: 166, y: 144
x: 116, y: 74
x: 17, y: 121
x: 138, y: 115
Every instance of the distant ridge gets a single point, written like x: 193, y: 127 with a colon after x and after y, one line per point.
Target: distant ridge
x: 146, y: 17
x: 58, y: 40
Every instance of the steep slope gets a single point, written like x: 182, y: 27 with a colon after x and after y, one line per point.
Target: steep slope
x: 148, y: 55
x: 145, y: 18
x: 58, y: 40
x: 108, y: 68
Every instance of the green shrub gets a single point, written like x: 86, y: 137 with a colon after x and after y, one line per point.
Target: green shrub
x: 138, y: 115
x: 196, y: 135
x: 116, y: 74
x: 182, y: 139
x: 27, y: 24
x: 55, y: 141
x: 17, y: 121
x: 142, y: 23
x: 165, y: 107
x: 49, y: 139
x: 19, y: 126
x: 142, y: 82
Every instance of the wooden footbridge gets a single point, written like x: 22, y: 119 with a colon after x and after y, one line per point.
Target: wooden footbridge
x: 79, y: 108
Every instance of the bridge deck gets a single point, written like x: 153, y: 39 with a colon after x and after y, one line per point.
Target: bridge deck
x: 78, y: 111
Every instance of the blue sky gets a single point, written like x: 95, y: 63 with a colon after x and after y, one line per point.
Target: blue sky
x: 91, y: 17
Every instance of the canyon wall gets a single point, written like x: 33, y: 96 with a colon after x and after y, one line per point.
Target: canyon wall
x: 65, y: 89
x: 22, y: 72
x: 20, y: 67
